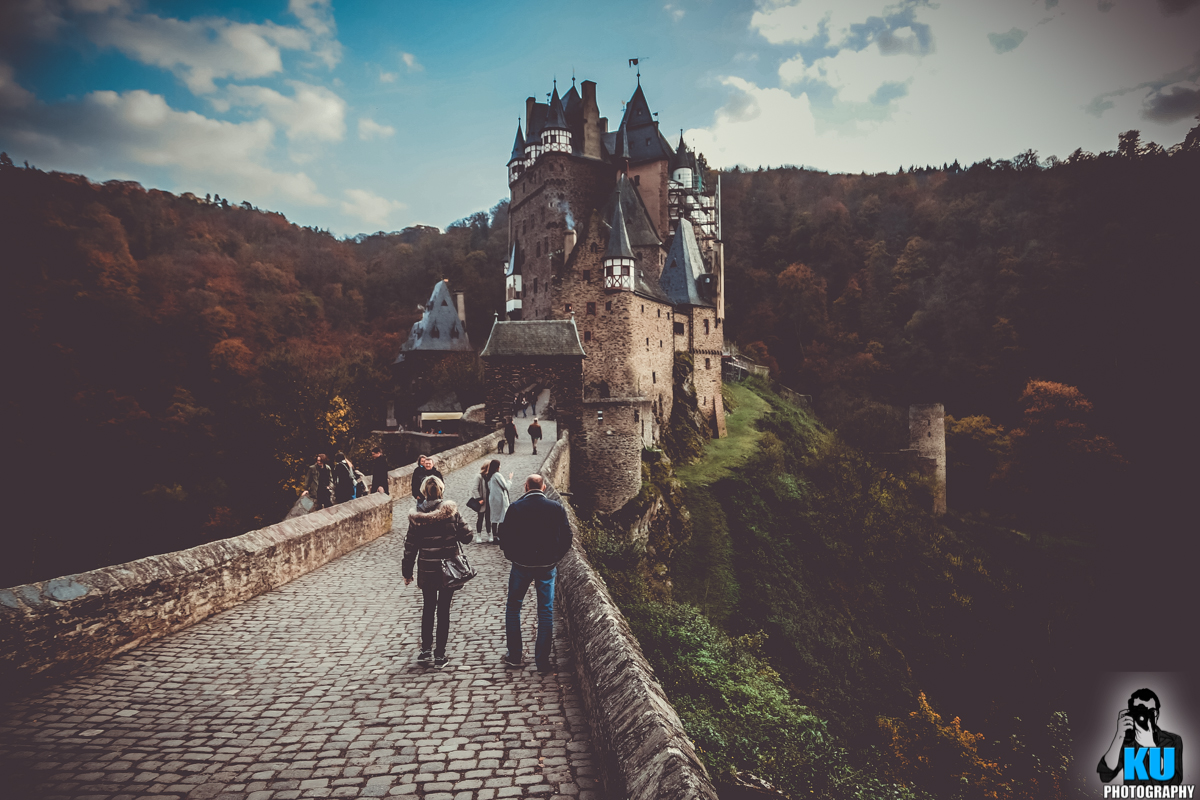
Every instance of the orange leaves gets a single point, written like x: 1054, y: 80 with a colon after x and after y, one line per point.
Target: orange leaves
x: 232, y: 355
x: 941, y: 757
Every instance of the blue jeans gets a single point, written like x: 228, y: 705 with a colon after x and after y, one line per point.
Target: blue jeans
x: 518, y: 584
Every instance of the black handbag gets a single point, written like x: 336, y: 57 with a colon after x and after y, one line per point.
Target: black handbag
x: 476, y: 505
x: 456, y: 571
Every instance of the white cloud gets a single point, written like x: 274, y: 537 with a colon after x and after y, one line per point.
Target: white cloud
x: 370, y: 129
x: 125, y: 133
x: 370, y: 207
x: 317, y: 16
x: 12, y: 94
x: 411, y: 62
x: 757, y: 126
x: 796, y: 22
x: 387, y: 77
x: 675, y: 11
x: 856, y: 75
x: 312, y: 112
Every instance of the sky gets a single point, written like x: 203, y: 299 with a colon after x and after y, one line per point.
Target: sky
x: 381, y: 114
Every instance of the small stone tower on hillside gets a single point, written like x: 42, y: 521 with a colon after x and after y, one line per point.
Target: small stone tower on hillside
x: 927, y: 435
x: 618, y: 231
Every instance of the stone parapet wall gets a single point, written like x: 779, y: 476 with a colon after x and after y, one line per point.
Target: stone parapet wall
x: 72, y: 623
x: 643, y: 749
x: 400, y: 479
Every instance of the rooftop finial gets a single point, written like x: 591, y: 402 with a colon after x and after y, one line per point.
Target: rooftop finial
x: 635, y: 62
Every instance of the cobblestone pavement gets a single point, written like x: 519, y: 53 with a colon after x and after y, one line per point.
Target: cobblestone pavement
x: 312, y: 691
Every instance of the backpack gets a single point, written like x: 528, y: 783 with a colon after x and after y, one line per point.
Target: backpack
x: 360, y: 488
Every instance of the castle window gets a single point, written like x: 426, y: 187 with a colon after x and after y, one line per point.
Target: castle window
x: 591, y: 309
x: 647, y: 341
x: 660, y: 312
x: 636, y: 415
x: 637, y: 179
x: 654, y: 377
x: 660, y: 342
x: 707, y: 364
x: 587, y: 273
x: 643, y: 308
x: 595, y: 249
x: 568, y: 308
x: 608, y: 306
x: 706, y: 327
x: 535, y: 285
x: 587, y: 336
x: 679, y: 330
x: 718, y: 322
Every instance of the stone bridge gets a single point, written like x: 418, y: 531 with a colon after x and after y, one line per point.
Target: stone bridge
x: 280, y: 664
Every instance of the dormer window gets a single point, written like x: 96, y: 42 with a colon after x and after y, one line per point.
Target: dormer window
x: 618, y: 274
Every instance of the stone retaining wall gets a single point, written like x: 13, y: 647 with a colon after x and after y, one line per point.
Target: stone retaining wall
x: 644, y: 751
x: 75, y: 622
x: 400, y: 480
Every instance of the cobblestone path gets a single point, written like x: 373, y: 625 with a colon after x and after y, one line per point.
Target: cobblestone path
x: 312, y: 691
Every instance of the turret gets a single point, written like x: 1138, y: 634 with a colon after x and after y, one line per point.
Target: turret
x: 618, y: 258
x: 516, y: 163
x: 555, y: 134
x: 681, y: 165
x: 512, y: 286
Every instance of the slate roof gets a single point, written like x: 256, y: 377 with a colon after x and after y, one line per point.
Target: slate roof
x: 646, y: 143
x: 556, y: 117
x: 518, y: 151
x: 618, y: 236
x: 637, y: 220
x: 534, y: 337
x: 440, y: 329
x: 684, y: 266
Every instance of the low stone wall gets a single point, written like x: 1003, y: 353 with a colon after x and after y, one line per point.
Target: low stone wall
x: 75, y: 622
x: 643, y: 749
x: 400, y: 480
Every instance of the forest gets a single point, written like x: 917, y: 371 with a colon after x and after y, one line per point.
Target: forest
x: 175, y: 361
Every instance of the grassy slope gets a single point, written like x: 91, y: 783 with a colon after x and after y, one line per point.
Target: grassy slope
x: 703, y: 570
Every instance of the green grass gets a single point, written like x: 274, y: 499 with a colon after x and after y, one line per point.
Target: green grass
x: 723, y: 455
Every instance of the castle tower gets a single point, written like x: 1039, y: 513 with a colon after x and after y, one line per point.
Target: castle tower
x: 927, y: 435
x: 593, y: 218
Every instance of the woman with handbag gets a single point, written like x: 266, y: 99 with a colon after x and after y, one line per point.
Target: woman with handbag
x: 435, y: 532
x: 497, y: 488
x: 478, y: 504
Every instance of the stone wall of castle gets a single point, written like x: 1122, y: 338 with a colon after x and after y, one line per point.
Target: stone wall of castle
x: 556, y: 185
x: 651, y: 182
x: 608, y: 459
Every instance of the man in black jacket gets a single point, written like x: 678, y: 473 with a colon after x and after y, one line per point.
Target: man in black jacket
x: 534, y: 536
x: 424, y: 469
x: 379, y: 471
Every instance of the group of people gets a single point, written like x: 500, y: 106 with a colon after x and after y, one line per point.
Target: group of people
x: 331, y: 483
x: 533, y: 533
x: 522, y: 401
x: 510, y: 435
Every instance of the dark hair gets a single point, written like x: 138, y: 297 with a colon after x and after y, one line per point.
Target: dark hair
x: 1146, y: 695
x: 339, y: 456
x: 376, y: 449
x: 322, y: 457
x: 493, y: 467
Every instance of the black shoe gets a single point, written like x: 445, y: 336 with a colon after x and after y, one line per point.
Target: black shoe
x: 513, y: 663
x: 440, y: 661
x: 544, y: 669
x: 426, y: 657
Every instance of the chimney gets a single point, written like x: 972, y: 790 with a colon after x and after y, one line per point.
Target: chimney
x: 591, y: 121
x: 462, y: 309
x: 530, y: 102
x: 568, y: 245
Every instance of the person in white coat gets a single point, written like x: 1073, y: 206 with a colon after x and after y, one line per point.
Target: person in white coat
x: 497, y: 493
x: 483, y: 522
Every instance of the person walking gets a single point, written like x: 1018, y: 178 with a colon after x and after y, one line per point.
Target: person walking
x: 510, y: 435
x: 316, y: 484
x: 481, y: 494
x: 435, y: 530
x: 379, y: 471
x: 343, y: 479
x: 425, y: 468
x: 497, y: 488
x: 535, y: 434
x: 535, y: 536
x: 516, y: 403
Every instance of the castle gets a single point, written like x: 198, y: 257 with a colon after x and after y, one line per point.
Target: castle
x: 615, y: 265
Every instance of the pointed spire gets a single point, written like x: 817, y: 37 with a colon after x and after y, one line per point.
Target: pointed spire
x: 556, y: 118
x: 518, y: 151
x: 618, y: 237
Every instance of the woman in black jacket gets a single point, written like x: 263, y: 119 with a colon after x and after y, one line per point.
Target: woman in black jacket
x: 435, y: 530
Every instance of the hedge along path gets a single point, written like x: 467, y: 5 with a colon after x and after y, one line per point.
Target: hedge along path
x: 312, y: 690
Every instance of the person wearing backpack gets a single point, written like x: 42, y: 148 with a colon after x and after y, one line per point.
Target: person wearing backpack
x: 343, y: 479
x: 435, y: 531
